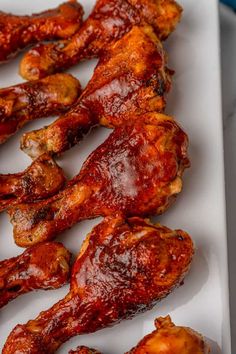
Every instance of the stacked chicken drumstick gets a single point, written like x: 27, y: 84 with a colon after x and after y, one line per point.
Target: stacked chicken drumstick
x: 126, y: 264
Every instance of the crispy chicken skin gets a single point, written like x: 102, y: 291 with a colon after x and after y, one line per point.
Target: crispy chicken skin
x: 17, y: 32
x: 36, y: 99
x: 109, y: 21
x: 42, y: 179
x: 137, y: 171
x: 44, y: 266
x: 124, y: 268
x: 171, y: 339
x: 131, y: 78
x: 84, y: 350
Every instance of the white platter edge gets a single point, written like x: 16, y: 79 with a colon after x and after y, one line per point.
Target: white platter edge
x: 226, y: 329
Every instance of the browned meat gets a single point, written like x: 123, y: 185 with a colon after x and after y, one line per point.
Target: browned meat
x: 17, y: 32
x: 171, y: 339
x: 31, y: 100
x: 123, y: 269
x: 42, y: 179
x: 136, y: 171
x: 109, y: 21
x: 130, y: 79
x: 44, y: 266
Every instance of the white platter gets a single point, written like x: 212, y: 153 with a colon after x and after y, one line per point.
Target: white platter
x: 195, y: 100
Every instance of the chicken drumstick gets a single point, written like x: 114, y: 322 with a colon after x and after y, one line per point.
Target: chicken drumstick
x: 42, y: 179
x: 44, y: 266
x: 31, y: 100
x: 130, y: 79
x: 171, y: 339
x: 136, y: 171
x: 17, y: 32
x: 123, y: 269
x: 109, y: 21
